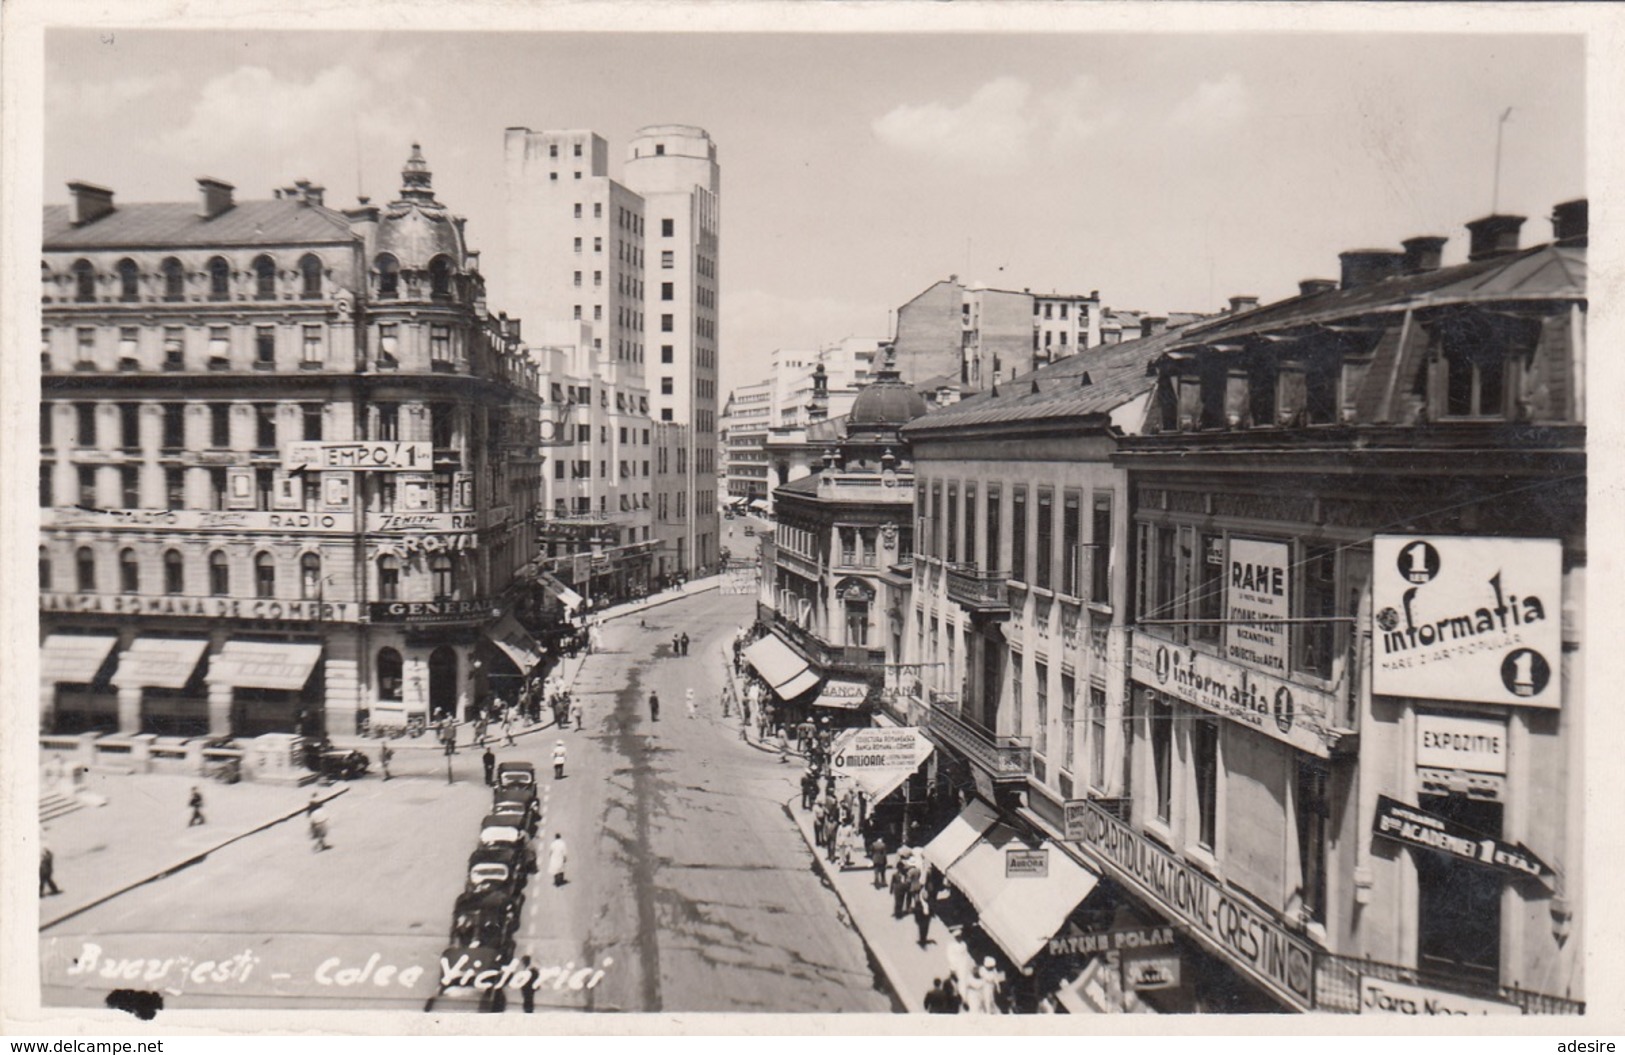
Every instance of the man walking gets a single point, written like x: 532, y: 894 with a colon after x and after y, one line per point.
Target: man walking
x: 558, y: 761
x: 196, y: 802
x: 575, y: 713
x: 654, y: 706
x: 688, y: 700
x: 318, y: 828
x: 922, y: 917
x: 490, y: 767
x: 899, y: 885
x: 384, y: 755
x: 507, y: 726
x: 877, y: 857
x: 47, y: 866
x: 556, y: 856
x: 685, y: 643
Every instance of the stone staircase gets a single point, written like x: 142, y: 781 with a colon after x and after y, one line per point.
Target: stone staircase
x: 54, y: 804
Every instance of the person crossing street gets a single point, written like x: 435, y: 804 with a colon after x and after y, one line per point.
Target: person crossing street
x: 556, y: 857
x: 558, y: 761
x: 688, y: 700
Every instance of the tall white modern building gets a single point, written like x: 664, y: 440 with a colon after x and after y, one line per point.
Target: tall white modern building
x: 636, y: 263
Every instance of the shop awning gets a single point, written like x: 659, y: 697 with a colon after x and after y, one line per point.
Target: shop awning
x: 777, y: 662
x: 569, y: 597
x: 515, y: 642
x: 264, y: 665
x: 159, y: 662
x: 846, y: 695
x: 74, y: 658
x: 758, y: 504
x: 796, y: 685
x: 1031, y: 910
x: 961, y: 832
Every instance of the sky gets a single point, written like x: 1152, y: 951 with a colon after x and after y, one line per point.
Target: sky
x: 1167, y: 171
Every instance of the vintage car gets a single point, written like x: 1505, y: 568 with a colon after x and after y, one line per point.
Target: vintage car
x: 515, y: 774
x: 508, y: 829
x: 487, y: 919
x: 503, y: 868
x: 330, y: 763
x: 464, y: 988
x: 517, y: 800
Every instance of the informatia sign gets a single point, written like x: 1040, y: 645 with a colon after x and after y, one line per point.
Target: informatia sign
x: 1258, y: 595
x: 1473, y: 619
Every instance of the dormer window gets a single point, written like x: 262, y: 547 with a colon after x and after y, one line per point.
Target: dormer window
x: 389, y: 277
x: 440, y: 276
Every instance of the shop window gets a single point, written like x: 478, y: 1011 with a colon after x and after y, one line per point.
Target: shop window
x: 1205, y: 763
x: 1162, y: 757
x: 129, y: 571
x: 85, y: 564
x: 389, y: 675
x: 389, y: 578
x: 219, y: 575
x: 310, y: 577
x: 1458, y: 931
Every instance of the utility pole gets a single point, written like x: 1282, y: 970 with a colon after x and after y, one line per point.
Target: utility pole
x: 1495, y: 190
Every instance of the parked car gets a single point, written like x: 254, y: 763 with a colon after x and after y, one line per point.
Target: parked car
x: 498, y: 868
x: 461, y: 965
x: 486, y: 919
x: 750, y: 530
x: 514, y: 774
x: 517, y: 800
x: 508, y: 830
x: 329, y: 763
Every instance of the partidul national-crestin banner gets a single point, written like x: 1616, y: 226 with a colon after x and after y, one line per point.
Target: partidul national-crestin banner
x: 1472, y: 619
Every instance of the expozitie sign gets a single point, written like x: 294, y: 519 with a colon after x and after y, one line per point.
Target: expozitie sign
x: 1473, y: 619
x: 1263, y: 948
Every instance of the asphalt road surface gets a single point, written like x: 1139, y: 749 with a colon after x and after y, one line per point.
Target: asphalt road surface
x: 688, y: 887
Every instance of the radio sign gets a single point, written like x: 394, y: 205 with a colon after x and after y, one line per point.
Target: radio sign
x: 376, y: 456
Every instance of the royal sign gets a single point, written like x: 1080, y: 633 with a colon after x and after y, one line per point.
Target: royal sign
x: 1472, y: 619
x: 1281, y: 710
x: 1254, y: 943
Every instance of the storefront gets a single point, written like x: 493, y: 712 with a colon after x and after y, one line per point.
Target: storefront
x: 784, y: 671
x: 270, y: 686
x: 75, y: 680
x: 160, y: 682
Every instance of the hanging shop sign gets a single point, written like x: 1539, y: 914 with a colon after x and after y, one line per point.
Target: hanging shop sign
x: 879, y: 760
x: 1076, y: 819
x: 1475, y: 619
x: 1448, y: 742
x: 1258, y: 590
x: 1145, y: 973
x: 1379, y: 996
x: 1281, y: 710
x: 375, y: 456
x: 1026, y: 864
x: 1416, y: 827
x: 1256, y: 944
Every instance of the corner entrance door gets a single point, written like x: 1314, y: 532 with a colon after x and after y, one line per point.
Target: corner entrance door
x: 1459, y: 904
x: 443, y: 681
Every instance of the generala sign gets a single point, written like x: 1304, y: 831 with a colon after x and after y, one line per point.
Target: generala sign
x: 1472, y: 619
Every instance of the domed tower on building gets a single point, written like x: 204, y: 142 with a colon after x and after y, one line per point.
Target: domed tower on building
x: 874, y: 424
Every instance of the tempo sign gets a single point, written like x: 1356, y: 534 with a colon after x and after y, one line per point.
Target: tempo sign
x: 1474, y: 619
x: 376, y: 456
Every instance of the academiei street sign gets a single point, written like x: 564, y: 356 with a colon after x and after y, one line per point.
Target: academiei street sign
x: 1413, y: 826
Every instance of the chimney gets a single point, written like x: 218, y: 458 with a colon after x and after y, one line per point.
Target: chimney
x: 1151, y: 325
x: 1423, y: 253
x: 1569, y: 223
x: 1361, y: 267
x: 90, y: 202
x: 1493, y: 236
x: 307, y: 192
x: 1239, y: 304
x: 1311, y: 286
x: 215, y: 196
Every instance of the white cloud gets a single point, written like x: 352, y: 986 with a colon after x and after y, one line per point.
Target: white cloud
x: 1003, y: 124
x: 67, y: 101
x: 252, y: 119
x: 1215, y: 104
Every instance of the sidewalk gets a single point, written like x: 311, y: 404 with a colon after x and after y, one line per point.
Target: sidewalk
x: 894, y: 943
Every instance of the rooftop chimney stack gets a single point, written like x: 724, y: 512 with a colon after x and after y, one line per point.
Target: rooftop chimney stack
x: 1151, y: 325
x: 1423, y: 253
x: 214, y: 196
x: 1309, y: 287
x: 1569, y: 223
x: 90, y: 202
x: 1361, y: 267
x: 1493, y: 236
x: 1239, y: 304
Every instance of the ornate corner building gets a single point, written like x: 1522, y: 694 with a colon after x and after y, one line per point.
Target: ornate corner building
x: 288, y: 463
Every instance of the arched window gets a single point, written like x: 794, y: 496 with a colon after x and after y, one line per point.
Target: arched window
x: 264, y: 575
x: 445, y: 583
x: 440, y: 276
x: 219, y: 279
x: 84, y: 281
x: 129, y: 571
x: 389, y: 277
x: 174, y: 578
x: 389, y: 578
x: 264, y: 278
x: 310, y: 577
x: 86, y: 561
x: 129, y: 280
x: 44, y: 568
x: 219, y: 575
x: 174, y: 279
x: 389, y: 674
x: 310, y: 273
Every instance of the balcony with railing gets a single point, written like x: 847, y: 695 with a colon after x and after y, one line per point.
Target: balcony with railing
x: 979, y: 592
x: 847, y: 660
x: 1004, y: 758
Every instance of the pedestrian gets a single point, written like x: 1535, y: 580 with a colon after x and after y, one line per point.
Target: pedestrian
x: 490, y: 768
x: 899, y: 885
x: 676, y: 645
x: 318, y: 828
x: 507, y: 727
x: 809, y: 788
x: 922, y: 917
x: 654, y: 706
x: 527, y: 987
x: 47, y: 865
x: 384, y: 755
x: 992, y: 987
x: 971, y: 989
x: 575, y: 713
x: 937, y: 1000
x: 196, y: 802
x: 877, y: 859
x: 558, y: 761
x: 479, y: 729
x: 818, y: 824
x: 685, y: 643
x: 688, y: 701
x: 556, y: 856
x: 784, y: 746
